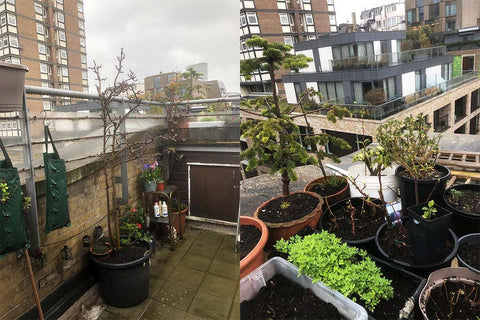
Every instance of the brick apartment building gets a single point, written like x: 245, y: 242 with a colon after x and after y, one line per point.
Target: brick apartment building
x: 285, y: 21
x: 49, y: 38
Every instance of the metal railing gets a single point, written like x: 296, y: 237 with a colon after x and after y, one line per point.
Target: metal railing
x: 387, y: 59
x: 392, y: 107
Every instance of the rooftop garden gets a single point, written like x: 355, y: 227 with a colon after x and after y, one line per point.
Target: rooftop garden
x: 373, y: 251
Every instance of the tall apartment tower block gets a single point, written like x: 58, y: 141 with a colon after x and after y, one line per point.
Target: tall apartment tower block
x: 285, y: 21
x: 48, y: 36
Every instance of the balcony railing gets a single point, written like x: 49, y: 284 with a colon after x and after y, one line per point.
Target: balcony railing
x: 387, y: 59
x: 392, y: 107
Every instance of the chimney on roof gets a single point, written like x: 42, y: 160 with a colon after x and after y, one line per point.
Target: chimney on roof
x: 354, y: 21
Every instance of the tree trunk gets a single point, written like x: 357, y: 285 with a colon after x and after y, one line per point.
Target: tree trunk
x: 285, y: 184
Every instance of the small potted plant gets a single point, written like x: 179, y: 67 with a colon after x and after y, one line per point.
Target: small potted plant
x: 468, y: 249
x: 451, y: 293
x: 151, y: 174
x: 253, y: 237
x: 464, y: 202
x: 408, y: 143
x: 377, y: 164
x: 429, y: 231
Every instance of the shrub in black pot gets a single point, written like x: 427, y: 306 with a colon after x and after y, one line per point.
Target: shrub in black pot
x: 408, y: 143
x: 124, y: 275
x: 464, y: 202
x: 468, y: 249
x: 429, y: 231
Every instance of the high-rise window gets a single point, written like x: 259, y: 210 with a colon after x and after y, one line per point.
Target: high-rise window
x: 309, y: 20
x: 83, y: 58
x: 63, y: 53
x: 42, y: 48
x: 450, y: 25
x: 39, y: 9
x: 40, y: 29
x: 284, y: 19
x: 61, y: 35
x: 252, y: 18
x: 434, y: 11
x: 60, y: 17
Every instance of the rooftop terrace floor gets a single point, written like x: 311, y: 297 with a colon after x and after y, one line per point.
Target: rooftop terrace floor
x: 198, y: 280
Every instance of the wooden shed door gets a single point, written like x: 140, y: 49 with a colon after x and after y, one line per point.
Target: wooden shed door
x: 214, y: 191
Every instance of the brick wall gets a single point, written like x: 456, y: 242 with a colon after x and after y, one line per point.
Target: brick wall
x: 87, y: 206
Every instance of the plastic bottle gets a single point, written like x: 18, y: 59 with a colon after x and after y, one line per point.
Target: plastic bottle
x: 156, y: 210
x: 164, y: 209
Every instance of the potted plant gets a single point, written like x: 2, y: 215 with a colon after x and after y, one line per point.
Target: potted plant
x: 464, y: 202
x: 394, y: 245
x: 355, y: 221
x: 114, y: 267
x: 428, y: 233
x: 253, y: 237
x: 124, y: 276
x: 377, y: 164
x: 179, y: 208
x: 468, y: 249
x: 275, y: 141
x: 348, y: 270
x: 277, y: 290
x: 152, y: 176
x: 407, y: 142
x: 451, y: 293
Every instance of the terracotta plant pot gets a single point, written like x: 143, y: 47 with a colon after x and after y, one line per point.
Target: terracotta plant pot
x: 334, y: 198
x: 439, y: 277
x: 285, y: 230
x: 101, y: 250
x: 256, y: 257
x: 181, y: 218
x: 161, y: 186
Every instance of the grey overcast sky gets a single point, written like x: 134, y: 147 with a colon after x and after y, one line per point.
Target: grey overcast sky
x: 344, y: 8
x: 164, y: 35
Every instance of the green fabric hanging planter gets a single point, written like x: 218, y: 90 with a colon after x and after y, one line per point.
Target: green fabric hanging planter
x: 56, y: 180
x: 12, y: 227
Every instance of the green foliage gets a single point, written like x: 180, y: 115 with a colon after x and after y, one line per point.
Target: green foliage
x: 348, y: 270
x: 376, y: 158
x: 418, y: 38
x: 408, y: 143
x: 285, y: 205
x: 455, y: 195
x: 133, y: 227
x: 429, y: 211
x: 26, y: 203
x: 151, y: 172
x: 4, y: 192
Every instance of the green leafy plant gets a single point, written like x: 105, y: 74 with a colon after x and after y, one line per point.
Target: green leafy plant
x: 409, y: 144
x: 375, y: 96
x: 26, y: 203
x: 429, y: 211
x: 348, y: 270
x: 133, y: 227
x: 455, y: 195
x: 376, y: 158
x: 4, y: 192
x: 151, y: 172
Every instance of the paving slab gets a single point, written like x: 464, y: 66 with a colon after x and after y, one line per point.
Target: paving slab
x: 196, y: 262
x: 225, y: 269
x: 157, y: 310
x: 187, y: 277
x: 210, y: 306
x: 204, y: 249
x: 219, y: 286
x: 176, y: 295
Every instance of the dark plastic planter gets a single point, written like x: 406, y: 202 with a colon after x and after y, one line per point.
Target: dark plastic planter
x: 428, y: 237
x: 408, y: 277
x: 463, y: 222
x: 420, y: 269
x: 368, y: 243
x: 124, y: 284
x: 469, y: 238
x: 407, y: 187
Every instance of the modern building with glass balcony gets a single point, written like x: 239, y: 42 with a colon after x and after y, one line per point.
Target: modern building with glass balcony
x: 347, y: 67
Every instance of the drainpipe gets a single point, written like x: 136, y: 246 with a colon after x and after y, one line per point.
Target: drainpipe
x: 31, y: 217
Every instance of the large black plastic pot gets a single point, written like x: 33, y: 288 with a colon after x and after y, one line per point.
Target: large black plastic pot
x: 407, y: 187
x: 124, y: 284
x: 428, y: 237
x: 420, y: 269
x: 469, y: 239
x: 367, y: 243
x: 463, y: 222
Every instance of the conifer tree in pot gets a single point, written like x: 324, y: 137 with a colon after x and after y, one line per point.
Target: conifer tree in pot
x: 275, y: 141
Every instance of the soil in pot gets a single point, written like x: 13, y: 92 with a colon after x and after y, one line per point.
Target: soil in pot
x: 126, y: 254
x: 403, y: 289
x: 249, y: 237
x: 326, y: 189
x: 465, y: 200
x: 366, y: 219
x: 454, y: 300
x: 469, y: 252
x: 282, y: 299
x: 298, y: 206
x: 394, y: 241
x: 434, y: 175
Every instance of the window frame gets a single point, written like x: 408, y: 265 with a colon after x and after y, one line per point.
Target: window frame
x: 252, y: 14
x: 309, y: 16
